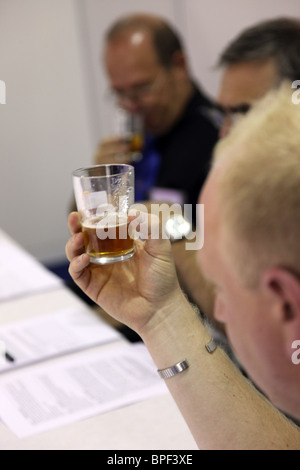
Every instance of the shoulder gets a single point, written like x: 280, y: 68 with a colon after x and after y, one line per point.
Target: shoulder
x: 198, y: 113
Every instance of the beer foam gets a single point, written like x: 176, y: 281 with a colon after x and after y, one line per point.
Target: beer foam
x: 109, y: 221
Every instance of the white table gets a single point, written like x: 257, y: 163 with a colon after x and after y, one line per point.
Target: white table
x: 151, y: 424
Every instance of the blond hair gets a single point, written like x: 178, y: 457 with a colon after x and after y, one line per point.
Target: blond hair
x: 260, y: 187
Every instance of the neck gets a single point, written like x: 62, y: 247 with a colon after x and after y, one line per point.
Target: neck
x: 186, y: 95
x: 183, y: 96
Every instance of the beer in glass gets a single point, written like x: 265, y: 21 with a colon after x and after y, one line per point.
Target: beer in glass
x: 104, y: 194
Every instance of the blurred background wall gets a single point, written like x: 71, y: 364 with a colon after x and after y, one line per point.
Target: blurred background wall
x: 56, y: 110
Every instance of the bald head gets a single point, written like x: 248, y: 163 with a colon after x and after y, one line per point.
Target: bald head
x: 147, y: 70
x: 165, y: 40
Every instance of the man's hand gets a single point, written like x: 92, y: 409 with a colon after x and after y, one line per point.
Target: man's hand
x: 112, y: 150
x: 131, y: 291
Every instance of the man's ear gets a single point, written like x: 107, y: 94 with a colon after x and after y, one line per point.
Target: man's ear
x: 285, y: 287
x: 179, y: 63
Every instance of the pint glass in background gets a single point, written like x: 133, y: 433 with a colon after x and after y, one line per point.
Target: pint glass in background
x: 104, y: 194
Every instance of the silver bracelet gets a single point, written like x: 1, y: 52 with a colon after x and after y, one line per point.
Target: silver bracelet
x: 183, y: 365
x: 211, y: 346
x: 174, y: 370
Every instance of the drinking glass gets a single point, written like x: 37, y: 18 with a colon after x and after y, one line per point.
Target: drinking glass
x: 130, y: 127
x: 104, y: 194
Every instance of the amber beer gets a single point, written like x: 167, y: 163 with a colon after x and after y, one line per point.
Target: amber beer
x: 107, y: 238
x: 104, y: 194
x: 136, y: 143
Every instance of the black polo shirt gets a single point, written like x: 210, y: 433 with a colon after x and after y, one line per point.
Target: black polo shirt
x: 186, y: 149
x: 180, y: 159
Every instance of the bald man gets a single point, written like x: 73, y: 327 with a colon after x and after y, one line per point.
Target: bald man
x: 149, y: 75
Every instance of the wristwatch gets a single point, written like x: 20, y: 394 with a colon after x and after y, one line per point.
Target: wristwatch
x: 177, y: 228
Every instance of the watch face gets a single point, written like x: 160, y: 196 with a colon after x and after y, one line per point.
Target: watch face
x: 177, y: 227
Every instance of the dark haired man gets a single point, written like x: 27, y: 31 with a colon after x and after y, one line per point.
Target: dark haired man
x: 255, y: 61
x: 258, y: 59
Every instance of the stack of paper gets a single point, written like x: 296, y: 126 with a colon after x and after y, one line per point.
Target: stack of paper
x: 21, y: 274
x: 62, y: 332
x: 51, y: 393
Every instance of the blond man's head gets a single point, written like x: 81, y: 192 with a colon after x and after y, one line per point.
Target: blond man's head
x: 260, y: 188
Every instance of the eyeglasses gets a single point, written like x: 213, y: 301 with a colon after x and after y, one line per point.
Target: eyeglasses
x: 140, y: 92
x: 219, y: 113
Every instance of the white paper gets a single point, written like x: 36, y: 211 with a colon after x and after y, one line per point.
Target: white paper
x: 51, y: 335
x: 51, y: 395
x: 21, y: 274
